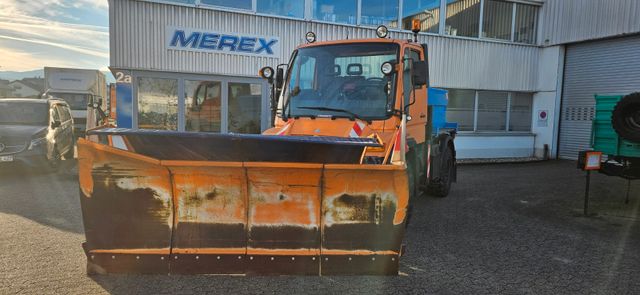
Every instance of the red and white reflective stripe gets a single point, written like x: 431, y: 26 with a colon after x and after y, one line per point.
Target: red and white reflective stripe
x: 396, y: 144
x: 428, y: 161
x: 284, y: 129
x: 395, y: 155
x: 357, y: 129
x: 118, y: 142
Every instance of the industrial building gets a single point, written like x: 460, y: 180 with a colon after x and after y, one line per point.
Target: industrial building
x: 521, y: 74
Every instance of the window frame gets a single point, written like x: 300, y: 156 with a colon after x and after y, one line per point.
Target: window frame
x: 308, y: 17
x: 181, y: 77
x: 510, y: 96
x: 512, y: 25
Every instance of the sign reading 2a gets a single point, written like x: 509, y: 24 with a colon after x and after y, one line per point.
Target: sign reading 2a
x: 123, y: 78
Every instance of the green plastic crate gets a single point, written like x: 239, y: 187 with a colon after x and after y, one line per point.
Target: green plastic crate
x: 603, y: 137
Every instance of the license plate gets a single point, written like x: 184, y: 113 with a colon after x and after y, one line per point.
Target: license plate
x: 6, y: 158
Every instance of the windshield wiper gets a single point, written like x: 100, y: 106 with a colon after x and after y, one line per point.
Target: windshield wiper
x: 353, y: 115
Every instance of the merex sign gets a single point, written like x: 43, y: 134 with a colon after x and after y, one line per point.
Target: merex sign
x: 222, y: 42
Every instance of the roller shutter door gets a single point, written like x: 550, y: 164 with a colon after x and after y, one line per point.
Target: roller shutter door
x: 600, y: 67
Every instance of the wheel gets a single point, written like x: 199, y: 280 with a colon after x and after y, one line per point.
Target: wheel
x: 625, y: 117
x: 70, y: 153
x: 440, y: 187
x: 53, y: 164
x: 411, y: 175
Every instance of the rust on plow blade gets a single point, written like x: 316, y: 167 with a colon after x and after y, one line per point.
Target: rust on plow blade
x: 147, y: 215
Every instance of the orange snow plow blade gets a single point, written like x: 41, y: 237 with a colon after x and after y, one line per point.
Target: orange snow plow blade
x: 148, y: 215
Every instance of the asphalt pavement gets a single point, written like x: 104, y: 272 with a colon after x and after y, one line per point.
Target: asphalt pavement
x: 505, y: 228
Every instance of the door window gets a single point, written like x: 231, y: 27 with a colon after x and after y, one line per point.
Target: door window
x: 245, y: 107
x: 203, y: 105
x: 63, y: 112
x: 55, y: 115
x: 410, y: 56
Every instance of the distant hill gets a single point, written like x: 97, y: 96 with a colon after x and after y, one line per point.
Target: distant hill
x: 11, y: 75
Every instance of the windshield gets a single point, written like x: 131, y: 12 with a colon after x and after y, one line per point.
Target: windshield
x: 24, y: 113
x: 341, y: 81
x: 75, y: 101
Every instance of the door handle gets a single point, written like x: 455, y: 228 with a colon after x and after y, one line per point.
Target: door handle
x: 423, y: 115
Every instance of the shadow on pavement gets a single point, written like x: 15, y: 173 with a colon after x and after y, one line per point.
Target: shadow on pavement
x: 49, y: 198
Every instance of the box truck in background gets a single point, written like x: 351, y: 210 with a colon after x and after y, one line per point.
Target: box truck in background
x: 80, y: 88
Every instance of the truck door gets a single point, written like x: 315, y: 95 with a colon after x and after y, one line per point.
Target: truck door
x: 64, y: 133
x: 416, y: 96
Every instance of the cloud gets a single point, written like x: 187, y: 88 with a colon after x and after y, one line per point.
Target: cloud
x: 47, y: 7
x: 53, y: 31
x: 19, y: 60
x: 60, y: 45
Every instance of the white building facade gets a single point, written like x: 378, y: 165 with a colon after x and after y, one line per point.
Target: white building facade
x: 505, y: 63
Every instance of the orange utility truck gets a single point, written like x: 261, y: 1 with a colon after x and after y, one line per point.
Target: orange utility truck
x: 325, y: 191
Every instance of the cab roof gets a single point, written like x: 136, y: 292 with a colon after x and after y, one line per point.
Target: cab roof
x: 351, y: 41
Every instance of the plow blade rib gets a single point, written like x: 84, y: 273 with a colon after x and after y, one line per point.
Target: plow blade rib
x: 149, y: 215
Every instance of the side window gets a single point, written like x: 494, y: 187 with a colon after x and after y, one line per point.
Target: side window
x: 305, y: 75
x: 409, y: 57
x: 65, y: 113
x: 55, y: 115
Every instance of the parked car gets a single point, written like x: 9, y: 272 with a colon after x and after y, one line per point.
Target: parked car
x: 36, y: 132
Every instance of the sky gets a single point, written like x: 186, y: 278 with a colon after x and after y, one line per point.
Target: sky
x: 58, y: 33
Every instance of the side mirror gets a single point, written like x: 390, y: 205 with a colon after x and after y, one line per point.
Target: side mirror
x: 55, y: 124
x: 420, y: 73
x: 279, y: 78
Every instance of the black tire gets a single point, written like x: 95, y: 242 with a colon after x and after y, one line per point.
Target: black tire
x: 411, y: 175
x: 53, y: 164
x: 440, y: 187
x: 70, y: 153
x: 625, y: 117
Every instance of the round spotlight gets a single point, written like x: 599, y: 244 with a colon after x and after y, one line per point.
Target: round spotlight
x: 382, y: 31
x: 387, y: 68
x: 266, y: 72
x: 311, y: 37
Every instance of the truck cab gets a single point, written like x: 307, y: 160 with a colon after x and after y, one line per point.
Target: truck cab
x: 84, y: 90
x: 366, y: 88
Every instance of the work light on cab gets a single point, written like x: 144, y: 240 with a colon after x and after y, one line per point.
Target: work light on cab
x: 266, y: 73
x: 382, y: 31
x: 311, y: 37
x: 387, y: 68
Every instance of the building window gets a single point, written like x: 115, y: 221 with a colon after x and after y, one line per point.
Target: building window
x: 379, y: 12
x: 245, y: 107
x: 184, y: 1
x: 486, y: 111
x: 520, y: 112
x: 240, y: 4
x: 492, y: 111
x: 525, y: 24
x: 157, y: 103
x: 427, y: 11
x: 288, y: 8
x: 497, y: 19
x: 461, y: 108
x: 463, y: 18
x: 203, y: 105
x: 335, y: 11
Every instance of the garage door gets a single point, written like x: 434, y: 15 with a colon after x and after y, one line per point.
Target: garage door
x: 599, y: 67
